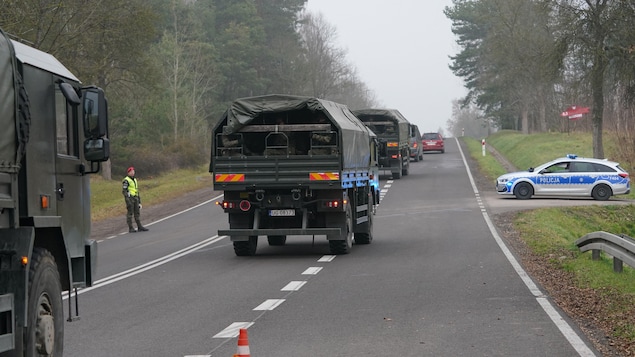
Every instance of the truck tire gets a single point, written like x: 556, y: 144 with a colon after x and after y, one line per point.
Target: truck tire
x: 406, y: 169
x: 277, y: 240
x: 45, y: 331
x: 343, y: 246
x: 246, y: 248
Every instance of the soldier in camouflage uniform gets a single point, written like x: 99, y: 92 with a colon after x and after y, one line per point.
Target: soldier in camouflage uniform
x: 133, y: 201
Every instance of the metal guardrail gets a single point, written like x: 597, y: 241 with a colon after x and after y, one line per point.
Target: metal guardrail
x: 620, y: 247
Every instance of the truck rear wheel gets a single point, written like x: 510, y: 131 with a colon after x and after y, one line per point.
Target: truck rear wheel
x: 277, y: 240
x: 246, y: 248
x: 45, y: 330
x: 344, y: 245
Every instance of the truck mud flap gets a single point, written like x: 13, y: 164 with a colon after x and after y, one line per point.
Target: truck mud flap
x: 243, y: 234
x: 7, y: 323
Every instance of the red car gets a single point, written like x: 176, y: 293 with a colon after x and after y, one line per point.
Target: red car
x: 433, y: 142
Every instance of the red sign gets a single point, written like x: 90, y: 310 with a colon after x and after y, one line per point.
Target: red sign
x: 574, y: 112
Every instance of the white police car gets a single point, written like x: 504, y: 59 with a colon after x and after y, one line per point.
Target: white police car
x: 567, y: 176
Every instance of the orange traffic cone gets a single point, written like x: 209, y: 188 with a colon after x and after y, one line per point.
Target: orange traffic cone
x: 243, y: 344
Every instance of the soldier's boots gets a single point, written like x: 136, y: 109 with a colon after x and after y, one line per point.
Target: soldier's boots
x: 131, y: 230
x: 141, y: 228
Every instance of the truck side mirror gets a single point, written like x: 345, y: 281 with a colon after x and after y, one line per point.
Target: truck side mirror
x: 95, y: 113
x: 95, y: 118
x: 97, y: 150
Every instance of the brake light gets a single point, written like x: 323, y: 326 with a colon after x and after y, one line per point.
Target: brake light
x: 333, y: 204
x: 228, y: 205
x: 415, y: 145
x: 623, y: 174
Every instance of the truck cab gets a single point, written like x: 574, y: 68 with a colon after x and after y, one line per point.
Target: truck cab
x: 54, y: 135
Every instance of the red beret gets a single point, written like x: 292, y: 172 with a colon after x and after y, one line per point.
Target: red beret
x: 130, y: 169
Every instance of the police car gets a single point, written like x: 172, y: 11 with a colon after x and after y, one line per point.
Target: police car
x: 567, y: 176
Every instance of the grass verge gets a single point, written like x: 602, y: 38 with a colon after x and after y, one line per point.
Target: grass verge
x: 550, y: 233
x: 107, y: 200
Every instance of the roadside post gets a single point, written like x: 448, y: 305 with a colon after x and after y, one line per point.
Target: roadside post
x: 483, y: 146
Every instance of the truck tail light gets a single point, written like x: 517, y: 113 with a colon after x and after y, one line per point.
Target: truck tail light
x: 228, y: 205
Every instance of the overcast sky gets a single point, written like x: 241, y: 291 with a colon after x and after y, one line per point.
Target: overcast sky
x: 401, y: 50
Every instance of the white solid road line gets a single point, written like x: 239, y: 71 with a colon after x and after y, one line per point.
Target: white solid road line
x: 566, y: 330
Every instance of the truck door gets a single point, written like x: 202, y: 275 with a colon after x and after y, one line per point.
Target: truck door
x: 72, y: 195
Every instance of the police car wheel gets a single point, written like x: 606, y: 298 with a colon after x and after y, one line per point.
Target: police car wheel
x: 523, y: 191
x: 601, y: 192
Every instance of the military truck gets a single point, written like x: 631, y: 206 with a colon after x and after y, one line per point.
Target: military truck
x: 416, y: 146
x: 53, y: 134
x: 291, y: 165
x: 393, y: 132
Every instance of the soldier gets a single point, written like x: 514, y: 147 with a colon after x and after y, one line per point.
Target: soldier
x: 133, y: 201
x: 322, y: 139
x: 232, y: 145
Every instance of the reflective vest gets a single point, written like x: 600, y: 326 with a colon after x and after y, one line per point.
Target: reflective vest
x: 132, y: 186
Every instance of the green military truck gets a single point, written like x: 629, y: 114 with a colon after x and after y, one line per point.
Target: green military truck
x: 53, y: 135
x: 291, y: 165
x: 393, y: 132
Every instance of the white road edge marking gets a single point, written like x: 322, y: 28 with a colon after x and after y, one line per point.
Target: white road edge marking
x: 149, y: 265
x: 566, y: 330
x: 164, y: 218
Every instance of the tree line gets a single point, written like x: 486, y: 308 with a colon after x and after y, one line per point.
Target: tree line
x: 171, y: 67
x: 524, y: 62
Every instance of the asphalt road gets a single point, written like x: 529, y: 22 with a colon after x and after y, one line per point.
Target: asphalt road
x: 436, y: 281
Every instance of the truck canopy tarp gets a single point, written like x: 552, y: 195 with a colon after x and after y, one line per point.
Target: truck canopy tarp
x: 353, y: 133
x: 391, y: 114
x: 8, y: 146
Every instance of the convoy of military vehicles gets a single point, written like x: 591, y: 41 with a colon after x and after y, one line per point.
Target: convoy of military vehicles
x: 287, y: 165
x: 292, y: 165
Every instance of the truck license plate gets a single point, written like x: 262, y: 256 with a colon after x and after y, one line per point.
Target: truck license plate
x: 281, y: 212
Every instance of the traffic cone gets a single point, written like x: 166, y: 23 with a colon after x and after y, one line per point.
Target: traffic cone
x: 243, y: 344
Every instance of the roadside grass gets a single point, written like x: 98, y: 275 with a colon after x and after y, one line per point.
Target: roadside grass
x: 488, y: 165
x: 107, y: 200
x: 552, y: 232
